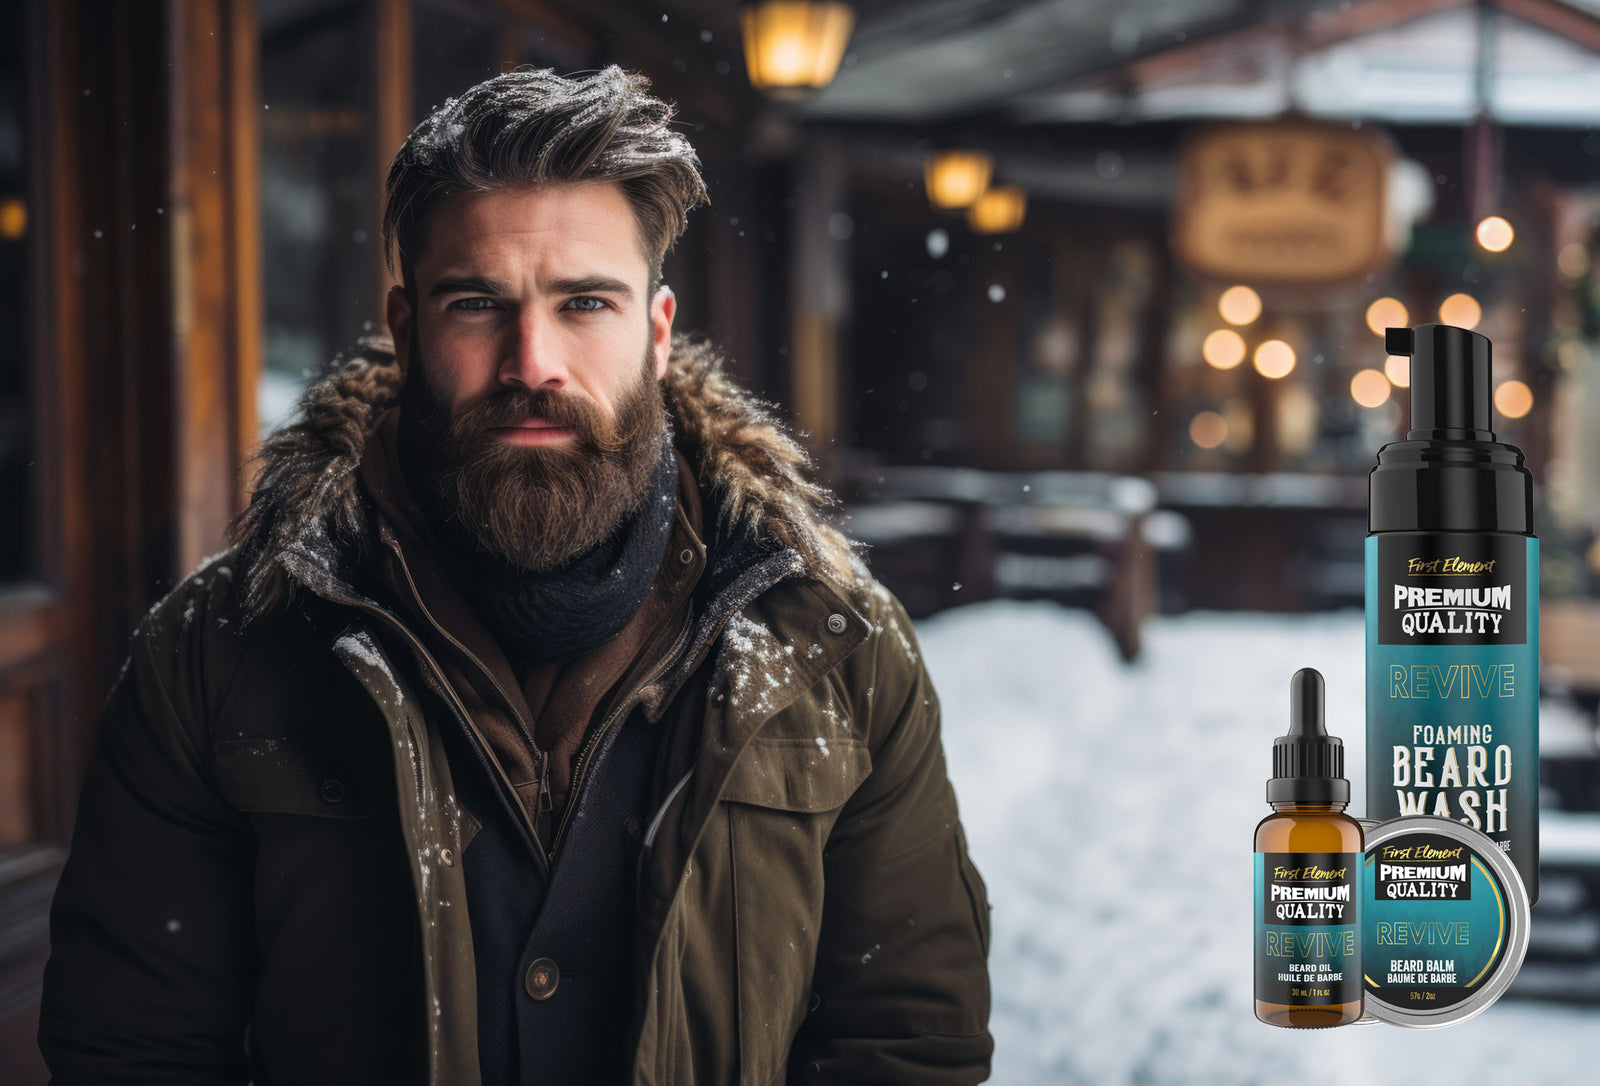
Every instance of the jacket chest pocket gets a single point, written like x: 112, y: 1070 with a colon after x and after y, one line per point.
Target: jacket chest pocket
x: 782, y: 800
x: 326, y: 776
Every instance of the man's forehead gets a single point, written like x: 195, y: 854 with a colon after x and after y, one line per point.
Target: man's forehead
x: 555, y: 229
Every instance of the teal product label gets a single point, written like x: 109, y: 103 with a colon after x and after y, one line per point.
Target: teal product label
x: 1307, y: 920
x: 1453, y: 684
x: 1436, y: 923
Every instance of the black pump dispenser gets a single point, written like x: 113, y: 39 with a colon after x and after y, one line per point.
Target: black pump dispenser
x: 1307, y: 763
x: 1449, y: 474
x: 1450, y: 389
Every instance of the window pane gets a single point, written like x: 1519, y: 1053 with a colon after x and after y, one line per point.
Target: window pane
x: 318, y: 192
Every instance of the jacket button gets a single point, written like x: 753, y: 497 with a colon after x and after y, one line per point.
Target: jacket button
x: 686, y: 556
x: 542, y: 977
x: 332, y: 790
x: 837, y: 623
x: 447, y: 857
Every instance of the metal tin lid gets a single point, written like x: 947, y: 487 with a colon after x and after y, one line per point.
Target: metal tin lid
x: 1444, y: 921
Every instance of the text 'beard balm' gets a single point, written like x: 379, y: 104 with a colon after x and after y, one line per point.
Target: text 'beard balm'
x: 1452, y: 570
x: 1444, y: 918
x: 1307, y: 877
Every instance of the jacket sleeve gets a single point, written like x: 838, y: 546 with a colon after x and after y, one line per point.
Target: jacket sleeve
x: 901, y: 989
x: 151, y: 940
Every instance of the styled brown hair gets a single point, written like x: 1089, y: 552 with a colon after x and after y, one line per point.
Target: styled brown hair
x: 530, y: 126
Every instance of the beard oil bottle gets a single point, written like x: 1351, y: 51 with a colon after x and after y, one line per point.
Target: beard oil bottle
x: 1308, y: 871
x: 1452, y: 590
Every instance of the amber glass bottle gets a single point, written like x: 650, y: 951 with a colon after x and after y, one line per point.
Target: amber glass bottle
x: 1308, y: 856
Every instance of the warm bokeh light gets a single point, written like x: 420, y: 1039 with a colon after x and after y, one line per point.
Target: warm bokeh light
x: 1241, y: 419
x: 1573, y: 260
x: 1495, y: 234
x: 1397, y: 368
x: 1298, y: 413
x: 1239, y: 305
x: 794, y: 46
x: 1274, y: 358
x: 1461, y: 310
x: 1208, y: 429
x: 957, y: 178
x: 1592, y: 556
x: 1369, y: 388
x: 1386, y: 313
x: 13, y: 218
x: 999, y: 210
x: 1223, y: 348
x: 1513, y: 399
x: 1573, y: 356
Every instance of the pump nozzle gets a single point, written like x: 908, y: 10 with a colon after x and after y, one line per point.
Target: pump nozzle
x: 1451, y: 393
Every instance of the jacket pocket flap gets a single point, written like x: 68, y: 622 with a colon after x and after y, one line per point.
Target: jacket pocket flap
x: 798, y: 774
x: 277, y: 776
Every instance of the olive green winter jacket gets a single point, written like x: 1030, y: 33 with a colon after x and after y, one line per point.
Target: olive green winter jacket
x: 262, y: 883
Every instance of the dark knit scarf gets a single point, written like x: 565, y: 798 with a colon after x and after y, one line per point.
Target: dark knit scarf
x: 563, y: 613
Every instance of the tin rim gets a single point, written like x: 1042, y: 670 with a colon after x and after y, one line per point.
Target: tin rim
x: 1515, y: 896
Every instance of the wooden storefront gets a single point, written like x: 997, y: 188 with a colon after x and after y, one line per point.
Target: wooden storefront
x: 150, y: 287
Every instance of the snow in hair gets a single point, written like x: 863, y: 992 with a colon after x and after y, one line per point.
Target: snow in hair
x: 530, y: 126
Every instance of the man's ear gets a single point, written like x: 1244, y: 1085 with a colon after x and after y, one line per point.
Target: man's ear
x: 663, y: 306
x: 401, y: 325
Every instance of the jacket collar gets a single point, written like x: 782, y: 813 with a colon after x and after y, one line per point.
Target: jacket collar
x: 309, y: 523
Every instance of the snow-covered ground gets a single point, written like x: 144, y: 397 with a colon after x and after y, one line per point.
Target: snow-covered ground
x: 1111, y: 811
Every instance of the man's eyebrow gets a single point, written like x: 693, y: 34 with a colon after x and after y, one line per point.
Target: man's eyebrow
x: 483, y: 284
x: 467, y: 284
x: 591, y: 284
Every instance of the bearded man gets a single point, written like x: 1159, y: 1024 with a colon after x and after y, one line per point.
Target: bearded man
x: 536, y: 726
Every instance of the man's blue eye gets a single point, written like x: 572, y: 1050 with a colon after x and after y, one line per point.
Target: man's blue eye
x: 466, y: 303
x: 599, y: 302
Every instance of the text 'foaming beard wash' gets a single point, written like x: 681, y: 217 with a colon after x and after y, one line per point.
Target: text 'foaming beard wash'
x: 1452, y: 570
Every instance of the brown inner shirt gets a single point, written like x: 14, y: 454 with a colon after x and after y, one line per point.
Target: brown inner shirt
x: 554, y: 706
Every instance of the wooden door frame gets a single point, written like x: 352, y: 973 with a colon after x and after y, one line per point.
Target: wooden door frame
x: 144, y: 346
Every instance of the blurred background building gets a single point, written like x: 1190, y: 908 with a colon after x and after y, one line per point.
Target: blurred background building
x: 1073, y: 300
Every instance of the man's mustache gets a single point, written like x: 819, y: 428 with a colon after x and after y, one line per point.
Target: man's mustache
x: 519, y: 406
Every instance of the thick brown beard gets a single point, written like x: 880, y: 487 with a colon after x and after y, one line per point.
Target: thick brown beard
x: 535, y: 506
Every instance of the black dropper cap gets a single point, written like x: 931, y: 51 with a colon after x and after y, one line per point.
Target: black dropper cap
x: 1450, y: 388
x: 1308, y: 763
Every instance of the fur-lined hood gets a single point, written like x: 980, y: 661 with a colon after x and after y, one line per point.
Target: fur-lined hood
x: 307, y: 523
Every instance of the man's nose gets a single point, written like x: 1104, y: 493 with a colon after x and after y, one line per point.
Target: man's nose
x: 533, y: 357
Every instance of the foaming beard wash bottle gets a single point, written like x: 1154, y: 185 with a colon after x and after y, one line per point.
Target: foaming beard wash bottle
x: 1452, y: 572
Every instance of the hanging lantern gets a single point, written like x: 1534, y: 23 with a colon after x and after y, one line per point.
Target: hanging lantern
x: 794, y: 46
x: 999, y: 210
x: 957, y: 178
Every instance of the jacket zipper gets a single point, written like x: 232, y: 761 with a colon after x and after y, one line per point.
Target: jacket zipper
x: 580, y: 763
x: 443, y: 688
x: 544, y: 802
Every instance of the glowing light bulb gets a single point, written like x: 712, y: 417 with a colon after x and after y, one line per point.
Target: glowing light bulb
x: 1239, y: 305
x: 1223, y: 349
x: 1495, y: 234
x: 1208, y: 429
x: 1461, y: 310
x: 1274, y: 359
x: 1386, y: 313
x: 1369, y: 388
x: 1513, y: 399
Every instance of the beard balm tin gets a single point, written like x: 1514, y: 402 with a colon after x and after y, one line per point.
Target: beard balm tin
x: 1444, y: 921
